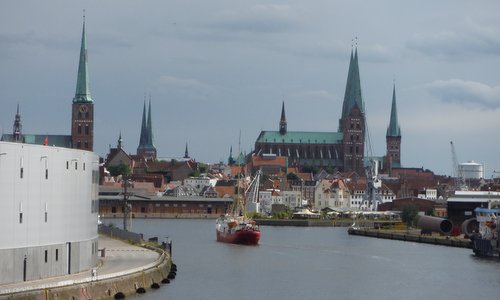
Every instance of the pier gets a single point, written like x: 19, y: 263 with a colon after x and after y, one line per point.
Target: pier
x: 412, y: 236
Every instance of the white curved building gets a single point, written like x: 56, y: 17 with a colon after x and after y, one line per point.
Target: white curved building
x: 49, y: 206
x: 471, y: 170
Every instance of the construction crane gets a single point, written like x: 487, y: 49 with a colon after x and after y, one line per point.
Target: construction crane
x: 457, y: 172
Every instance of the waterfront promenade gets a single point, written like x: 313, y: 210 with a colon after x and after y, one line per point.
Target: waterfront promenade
x: 120, y: 259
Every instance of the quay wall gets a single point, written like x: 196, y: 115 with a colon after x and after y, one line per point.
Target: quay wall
x: 402, y: 236
x: 104, y: 288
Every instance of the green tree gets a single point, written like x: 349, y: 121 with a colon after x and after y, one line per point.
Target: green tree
x: 121, y: 169
x: 409, y: 214
x: 292, y: 176
x: 309, y: 169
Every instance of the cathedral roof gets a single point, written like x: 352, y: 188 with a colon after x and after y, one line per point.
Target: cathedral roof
x: 300, y: 137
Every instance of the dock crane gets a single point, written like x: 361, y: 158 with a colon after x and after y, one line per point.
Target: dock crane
x: 457, y: 172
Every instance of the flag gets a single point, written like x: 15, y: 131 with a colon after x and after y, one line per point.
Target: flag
x: 46, y: 141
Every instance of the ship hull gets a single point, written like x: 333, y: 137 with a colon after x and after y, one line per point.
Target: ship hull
x: 243, y: 237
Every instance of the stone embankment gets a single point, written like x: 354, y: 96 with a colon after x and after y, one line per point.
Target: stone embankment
x: 410, y: 236
x: 116, y: 277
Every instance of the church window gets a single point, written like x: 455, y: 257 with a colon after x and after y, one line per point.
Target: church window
x: 79, y: 129
x: 86, y: 145
x: 87, y: 130
x: 350, y: 149
x: 79, y: 144
x: 352, y: 125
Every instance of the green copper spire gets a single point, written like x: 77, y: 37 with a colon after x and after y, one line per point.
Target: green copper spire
x: 393, y: 129
x: 352, y: 95
x: 82, y: 93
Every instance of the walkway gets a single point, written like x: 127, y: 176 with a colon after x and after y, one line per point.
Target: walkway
x: 120, y: 258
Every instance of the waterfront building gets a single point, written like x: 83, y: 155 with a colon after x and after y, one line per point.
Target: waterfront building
x: 49, y: 211
x: 146, y: 203
x: 332, y: 194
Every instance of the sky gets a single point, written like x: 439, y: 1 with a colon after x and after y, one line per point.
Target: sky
x: 218, y: 71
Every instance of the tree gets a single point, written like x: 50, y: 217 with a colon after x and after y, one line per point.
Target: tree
x: 121, y: 169
x: 409, y: 214
x: 292, y: 176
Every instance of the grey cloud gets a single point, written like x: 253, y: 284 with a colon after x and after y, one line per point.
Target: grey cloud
x: 466, y: 92
x: 458, y: 44
x: 263, y: 18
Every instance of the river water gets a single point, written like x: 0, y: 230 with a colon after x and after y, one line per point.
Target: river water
x: 315, y: 263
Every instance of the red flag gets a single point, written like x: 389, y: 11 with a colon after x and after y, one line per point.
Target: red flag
x: 46, y: 141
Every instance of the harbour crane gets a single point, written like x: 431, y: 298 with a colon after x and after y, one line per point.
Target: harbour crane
x: 456, y: 171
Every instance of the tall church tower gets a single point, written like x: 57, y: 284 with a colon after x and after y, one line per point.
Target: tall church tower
x: 146, y: 147
x: 352, y: 123
x: 82, y: 120
x: 283, y: 120
x: 393, y: 137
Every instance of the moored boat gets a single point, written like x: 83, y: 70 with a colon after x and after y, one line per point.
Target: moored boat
x: 486, y: 241
x: 235, y: 227
x: 237, y: 230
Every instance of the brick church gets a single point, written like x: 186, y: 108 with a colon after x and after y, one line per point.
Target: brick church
x: 342, y: 150
x: 82, y: 116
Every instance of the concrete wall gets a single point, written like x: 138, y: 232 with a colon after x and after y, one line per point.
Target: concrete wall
x: 49, y: 200
x: 103, y: 288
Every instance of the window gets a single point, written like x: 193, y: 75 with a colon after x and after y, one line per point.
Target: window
x: 46, y: 217
x: 143, y: 209
x: 76, y: 165
x: 46, y: 173
x: 84, y: 166
x: 79, y: 129
x: 20, y: 218
x: 67, y: 165
x: 57, y: 254
x: 87, y: 129
x: 46, y: 255
x: 113, y: 209
x: 21, y: 172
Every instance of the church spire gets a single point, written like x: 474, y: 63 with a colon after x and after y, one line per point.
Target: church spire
x: 186, y: 153
x: 393, y: 129
x: 82, y: 93
x: 143, y: 139
x: 283, y: 120
x: 352, y: 95
x: 150, y: 126
x: 146, y: 147
x: 120, y: 141
x: 17, y: 129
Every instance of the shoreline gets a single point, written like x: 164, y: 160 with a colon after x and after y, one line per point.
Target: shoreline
x: 412, y: 237
x: 113, y: 285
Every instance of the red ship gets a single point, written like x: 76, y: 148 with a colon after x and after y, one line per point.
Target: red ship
x: 237, y: 230
x: 235, y: 227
